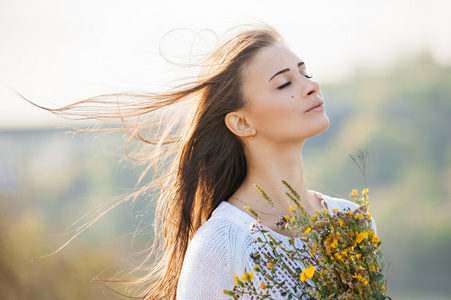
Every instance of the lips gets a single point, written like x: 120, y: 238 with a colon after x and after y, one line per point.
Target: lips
x: 317, y: 105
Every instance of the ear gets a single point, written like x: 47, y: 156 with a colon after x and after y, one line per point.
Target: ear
x: 238, y: 124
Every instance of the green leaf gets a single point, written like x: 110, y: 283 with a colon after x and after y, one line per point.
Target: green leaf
x: 229, y: 293
x: 379, y: 277
x: 240, y: 283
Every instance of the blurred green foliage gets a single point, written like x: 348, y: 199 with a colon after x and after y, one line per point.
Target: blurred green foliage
x: 48, y: 180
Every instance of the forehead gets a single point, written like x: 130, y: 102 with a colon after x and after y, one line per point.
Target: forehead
x: 271, y: 59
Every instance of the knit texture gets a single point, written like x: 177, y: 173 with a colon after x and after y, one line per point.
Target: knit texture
x: 222, y: 248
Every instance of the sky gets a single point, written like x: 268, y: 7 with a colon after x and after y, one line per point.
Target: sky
x: 56, y: 52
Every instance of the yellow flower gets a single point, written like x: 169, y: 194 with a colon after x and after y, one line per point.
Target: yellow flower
x: 353, y: 193
x: 350, y: 212
x: 291, y: 209
x: 383, y: 288
x: 335, y: 209
x: 244, y: 277
x: 263, y: 286
x: 361, y: 236
x: 365, y: 193
x: 338, y: 256
x: 369, y: 216
x: 316, y: 211
x: 376, y: 239
x: 360, y: 278
x: 372, y: 268
x: 345, y: 252
x: 331, y: 241
x: 308, y: 230
x: 269, y: 266
x: 307, y: 273
x: 340, y: 223
x: 235, y: 278
x: 256, y: 266
x: 287, y: 217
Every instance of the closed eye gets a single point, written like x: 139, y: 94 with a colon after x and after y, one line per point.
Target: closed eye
x: 284, y: 85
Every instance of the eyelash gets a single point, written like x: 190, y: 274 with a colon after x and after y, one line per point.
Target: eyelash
x: 284, y: 85
x: 289, y: 82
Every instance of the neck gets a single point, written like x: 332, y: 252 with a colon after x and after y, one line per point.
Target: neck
x: 267, y: 167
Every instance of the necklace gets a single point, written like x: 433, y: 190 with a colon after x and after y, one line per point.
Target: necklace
x: 318, y: 197
x: 259, y: 211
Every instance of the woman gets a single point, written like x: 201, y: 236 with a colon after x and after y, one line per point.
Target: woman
x: 280, y: 107
x: 253, y: 106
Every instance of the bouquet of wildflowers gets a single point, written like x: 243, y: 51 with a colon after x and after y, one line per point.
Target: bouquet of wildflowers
x: 340, y: 253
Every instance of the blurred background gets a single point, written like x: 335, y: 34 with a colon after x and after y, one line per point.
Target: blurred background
x: 384, y: 67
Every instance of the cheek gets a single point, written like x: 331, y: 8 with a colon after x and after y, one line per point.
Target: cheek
x: 275, y: 112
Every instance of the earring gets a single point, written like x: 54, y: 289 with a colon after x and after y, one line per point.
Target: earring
x: 251, y: 137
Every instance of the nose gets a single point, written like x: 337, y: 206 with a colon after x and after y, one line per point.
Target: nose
x: 311, y: 88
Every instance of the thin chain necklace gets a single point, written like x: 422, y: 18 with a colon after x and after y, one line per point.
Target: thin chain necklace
x: 259, y: 211
x: 274, y: 214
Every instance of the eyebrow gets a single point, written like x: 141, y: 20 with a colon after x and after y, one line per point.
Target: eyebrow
x: 285, y: 70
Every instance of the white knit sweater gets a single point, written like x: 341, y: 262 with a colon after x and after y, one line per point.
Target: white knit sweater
x: 222, y: 248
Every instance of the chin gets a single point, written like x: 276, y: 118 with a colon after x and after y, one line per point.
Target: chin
x: 321, y: 125
x: 326, y: 123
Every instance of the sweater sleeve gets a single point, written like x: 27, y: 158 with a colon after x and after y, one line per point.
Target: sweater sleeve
x: 209, y: 263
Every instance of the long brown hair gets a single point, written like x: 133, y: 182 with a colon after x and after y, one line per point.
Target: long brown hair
x: 207, y: 162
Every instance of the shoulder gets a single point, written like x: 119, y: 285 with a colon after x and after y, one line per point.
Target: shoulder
x: 339, y: 203
x: 215, y: 254
x: 343, y: 205
x: 227, y: 226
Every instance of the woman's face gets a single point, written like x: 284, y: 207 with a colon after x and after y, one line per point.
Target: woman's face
x: 283, y: 104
